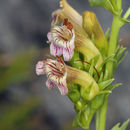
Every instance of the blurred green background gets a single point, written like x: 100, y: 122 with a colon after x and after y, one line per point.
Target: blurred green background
x: 25, y: 101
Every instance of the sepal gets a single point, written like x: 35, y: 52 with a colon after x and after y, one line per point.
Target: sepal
x: 104, y: 84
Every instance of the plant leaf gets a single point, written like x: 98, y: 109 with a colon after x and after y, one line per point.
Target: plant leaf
x: 123, y: 127
x: 104, y: 84
x: 103, y: 3
x: 113, y: 86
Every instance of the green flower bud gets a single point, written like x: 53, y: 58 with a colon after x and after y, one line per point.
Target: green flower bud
x: 92, y: 27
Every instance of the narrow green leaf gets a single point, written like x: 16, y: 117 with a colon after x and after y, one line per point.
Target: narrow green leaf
x: 119, y: 52
x: 122, y: 58
x: 104, y: 84
x: 113, y: 86
x: 110, y: 58
x: 102, y: 3
x: 104, y: 92
x: 107, y: 33
x: 123, y: 127
x: 101, y: 78
x: 91, y: 69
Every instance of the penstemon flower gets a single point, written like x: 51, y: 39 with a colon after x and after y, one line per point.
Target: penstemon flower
x: 60, y: 74
x: 62, y: 40
x: 56, y: 73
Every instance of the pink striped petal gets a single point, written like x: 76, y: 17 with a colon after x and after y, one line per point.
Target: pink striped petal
x: 63, y: 88
x: 40, y: 68
x: 49, y: 36
x: 67, y: 54
x: 50, y: 84
x: 56, y: 50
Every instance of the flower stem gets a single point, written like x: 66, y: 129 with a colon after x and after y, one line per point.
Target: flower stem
x: 109, y: 67
x: 97, y: 119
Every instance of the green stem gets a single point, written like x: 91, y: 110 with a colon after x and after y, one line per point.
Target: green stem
x: 97, y: 119
x: 113, y: 43
x: 119, y: 4
x: 102, y: 115
x: 109, y: 67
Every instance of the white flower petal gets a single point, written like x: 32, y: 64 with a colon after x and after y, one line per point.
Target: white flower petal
x: 49, y: 36
x: 56, y: 50
x: 40, y: 68
x: 67, y: 54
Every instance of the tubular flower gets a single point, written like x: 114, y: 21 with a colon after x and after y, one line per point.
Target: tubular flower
x: 60, y: 43
x: 62, y: 40
x: 73, y: 16
x: 56, y: 73
x: 60, y: 74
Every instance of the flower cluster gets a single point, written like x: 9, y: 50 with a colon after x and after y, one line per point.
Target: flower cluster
x: 65, y: 36
x: 82, y: 79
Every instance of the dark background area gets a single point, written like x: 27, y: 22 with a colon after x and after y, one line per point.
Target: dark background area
x: 25, y: 101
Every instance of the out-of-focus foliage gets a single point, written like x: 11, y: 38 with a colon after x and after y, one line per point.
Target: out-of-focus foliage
x: 19, y: 68
x: 16, y: 117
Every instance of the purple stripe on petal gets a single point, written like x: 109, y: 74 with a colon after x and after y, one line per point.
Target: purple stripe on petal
x: 67, y: 54
x: 63, y: 88
x: 59, y: 51
x: 56, y: 50
x: 50, y: 84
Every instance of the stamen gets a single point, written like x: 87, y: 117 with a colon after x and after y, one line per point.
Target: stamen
x: 68, y: 24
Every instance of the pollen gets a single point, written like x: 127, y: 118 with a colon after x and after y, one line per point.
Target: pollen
x: 68, y: 24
